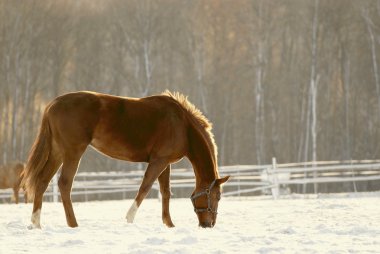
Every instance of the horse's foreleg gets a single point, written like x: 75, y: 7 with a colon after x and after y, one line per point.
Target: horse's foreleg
x: 154, y: 169
x: 65, y: 183
x: 164, y: 180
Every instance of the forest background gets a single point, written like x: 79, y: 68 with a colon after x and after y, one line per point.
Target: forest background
x: 292, y: 79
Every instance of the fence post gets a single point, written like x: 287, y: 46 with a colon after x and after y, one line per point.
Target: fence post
x: 276, y: 188
x: 55, y: 188
x: 353, y: 176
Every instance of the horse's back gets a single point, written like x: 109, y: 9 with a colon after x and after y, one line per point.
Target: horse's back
x: 94, y: 106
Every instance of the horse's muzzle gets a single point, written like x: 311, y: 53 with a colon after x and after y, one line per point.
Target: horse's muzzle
x: 207, y: 224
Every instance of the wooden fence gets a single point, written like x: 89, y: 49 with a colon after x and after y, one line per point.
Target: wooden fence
x: 272, y: 179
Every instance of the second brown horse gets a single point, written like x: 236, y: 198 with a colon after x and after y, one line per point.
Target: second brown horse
x: 11, y: 176
x: 159, y: 129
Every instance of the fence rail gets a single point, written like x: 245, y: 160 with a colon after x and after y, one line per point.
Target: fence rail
x: 245, y: 179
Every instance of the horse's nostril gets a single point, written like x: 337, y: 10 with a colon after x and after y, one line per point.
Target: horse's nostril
x: 206, y: 224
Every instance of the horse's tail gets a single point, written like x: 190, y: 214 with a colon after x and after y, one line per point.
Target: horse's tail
x: 38, y: 157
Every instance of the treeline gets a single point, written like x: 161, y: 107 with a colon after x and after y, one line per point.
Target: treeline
x: 293, y: 79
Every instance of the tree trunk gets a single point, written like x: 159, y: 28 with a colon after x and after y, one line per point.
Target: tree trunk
x: 313, y: 89
x: 370, y: 24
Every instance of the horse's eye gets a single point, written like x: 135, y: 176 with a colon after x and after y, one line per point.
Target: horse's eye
x: 218, y: 196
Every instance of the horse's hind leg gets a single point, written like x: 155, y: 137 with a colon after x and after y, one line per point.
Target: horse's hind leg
x: 16, y: 189
x: 164, y: 180
x: 50, y: 168
x: 15, y: 194
x: 25, y: 197
x: 154, y: 169
x: 65, y: 183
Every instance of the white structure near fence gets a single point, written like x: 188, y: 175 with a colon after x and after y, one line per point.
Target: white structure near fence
x: 245, y: 179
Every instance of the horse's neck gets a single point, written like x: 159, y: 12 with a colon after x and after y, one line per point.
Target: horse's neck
x: 202, y: 158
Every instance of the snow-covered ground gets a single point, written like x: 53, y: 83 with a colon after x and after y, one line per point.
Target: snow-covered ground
x: 313, y: 224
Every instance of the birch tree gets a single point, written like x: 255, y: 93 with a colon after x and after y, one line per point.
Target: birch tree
x: 312, y: 107
x: 373, y: 43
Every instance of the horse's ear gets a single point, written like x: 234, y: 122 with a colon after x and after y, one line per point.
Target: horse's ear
x: 222, y: 180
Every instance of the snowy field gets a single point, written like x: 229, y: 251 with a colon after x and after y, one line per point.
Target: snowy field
x: 345, y: 223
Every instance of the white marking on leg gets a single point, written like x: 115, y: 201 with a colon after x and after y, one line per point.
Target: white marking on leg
x: 36, y: 219
x: 132, y: 212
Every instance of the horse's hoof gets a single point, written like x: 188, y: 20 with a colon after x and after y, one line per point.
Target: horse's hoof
x: 170, y: 225
x: 132, y: 212
x: 129, y: 219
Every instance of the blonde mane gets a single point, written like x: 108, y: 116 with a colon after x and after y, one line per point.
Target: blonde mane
x: 198, y: 116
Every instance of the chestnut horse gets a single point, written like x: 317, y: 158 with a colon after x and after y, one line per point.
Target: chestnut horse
x: 159, y: 130
x: 10, y: 177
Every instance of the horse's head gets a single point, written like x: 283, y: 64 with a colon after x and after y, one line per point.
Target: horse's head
x: 205, y: 202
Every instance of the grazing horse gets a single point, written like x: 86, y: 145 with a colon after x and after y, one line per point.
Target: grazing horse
x: 10, y: 177
x: 159, y: 130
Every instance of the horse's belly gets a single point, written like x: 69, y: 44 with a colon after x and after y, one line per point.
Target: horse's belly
x: 120, y: 151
